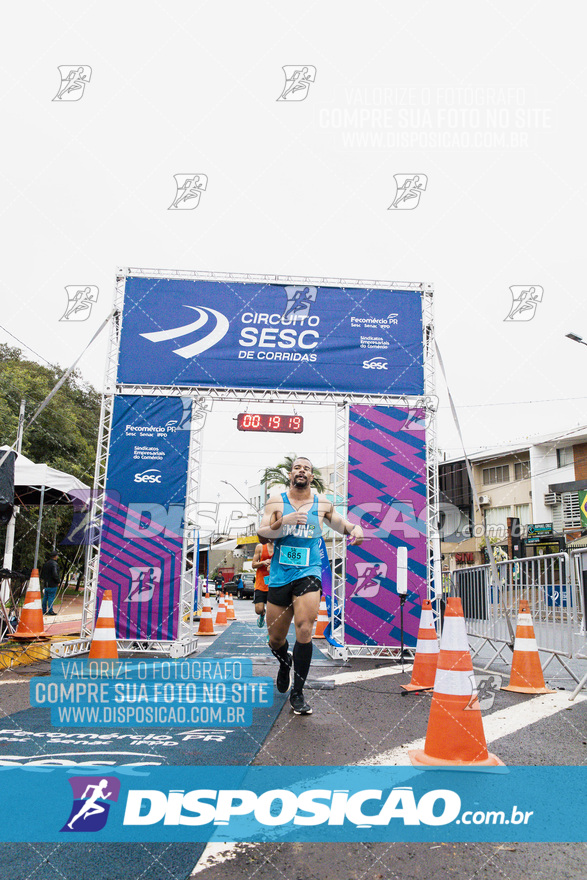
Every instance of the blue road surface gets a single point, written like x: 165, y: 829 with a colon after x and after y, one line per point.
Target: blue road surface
x: 27, y: 738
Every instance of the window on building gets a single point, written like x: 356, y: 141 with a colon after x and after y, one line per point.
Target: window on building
x: 496, y: 520
x: 571, y: 510
x: 522, y: 511
x: 492, y: 475
x: 564, y: 456
x: 522, y: 470
x: 453, y: 482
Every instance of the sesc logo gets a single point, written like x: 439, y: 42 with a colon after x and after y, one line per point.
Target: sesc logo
x: 376, y: 363
x: 203, y: 344
x: 150, y: 476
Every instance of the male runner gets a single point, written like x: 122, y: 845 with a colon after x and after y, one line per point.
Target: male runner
x: 294, y: 523
x: 262, y: 563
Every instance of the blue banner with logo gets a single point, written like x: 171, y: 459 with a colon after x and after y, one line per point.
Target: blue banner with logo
x: 254, y: 335
x: 142, y: 528
x: 277, y: 804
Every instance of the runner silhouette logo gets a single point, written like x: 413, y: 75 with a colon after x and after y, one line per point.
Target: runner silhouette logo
x: 91, y: 796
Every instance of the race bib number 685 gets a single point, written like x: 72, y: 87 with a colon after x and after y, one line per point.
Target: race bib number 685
x: 299, y: 556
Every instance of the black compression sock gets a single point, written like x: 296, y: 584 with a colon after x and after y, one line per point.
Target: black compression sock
x: 282, y: 653
x: 302, y: 657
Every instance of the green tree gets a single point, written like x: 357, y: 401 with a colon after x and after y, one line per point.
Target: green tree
x: 64, y: 436
x: 279, y: 475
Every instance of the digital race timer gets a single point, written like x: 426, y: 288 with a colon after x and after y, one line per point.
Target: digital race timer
x: 273, y: 424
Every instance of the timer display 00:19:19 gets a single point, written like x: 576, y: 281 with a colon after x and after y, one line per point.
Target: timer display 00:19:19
x: 268, y: 423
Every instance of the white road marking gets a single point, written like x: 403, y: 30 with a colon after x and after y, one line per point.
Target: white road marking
x: 217, y: 853
x: 496, y: 725
x: 366, y: 675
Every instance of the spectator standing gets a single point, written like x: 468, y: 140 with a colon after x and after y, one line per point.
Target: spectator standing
x: 50, y: 578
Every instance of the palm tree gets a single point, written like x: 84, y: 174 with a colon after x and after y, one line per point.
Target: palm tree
x: 279, y: 475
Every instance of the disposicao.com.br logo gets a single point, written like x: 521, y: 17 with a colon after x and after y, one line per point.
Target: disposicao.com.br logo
x: 332, y: 807
x: 177, y: 803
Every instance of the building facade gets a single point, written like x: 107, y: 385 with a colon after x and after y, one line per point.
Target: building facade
x: 529, y: 502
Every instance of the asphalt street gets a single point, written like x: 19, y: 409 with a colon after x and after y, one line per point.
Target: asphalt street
x: 361, y: 716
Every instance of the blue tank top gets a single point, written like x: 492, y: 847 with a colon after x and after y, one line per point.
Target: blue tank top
x: 297, y: 552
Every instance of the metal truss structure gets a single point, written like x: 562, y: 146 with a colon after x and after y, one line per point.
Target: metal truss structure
x: 429, y: 405
x: 341, y: 438
x: 202, y: 400
x: 186, y: 642
x: 99, y: 492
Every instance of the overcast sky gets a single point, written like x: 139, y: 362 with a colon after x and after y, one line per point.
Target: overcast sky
x: 484, y: 101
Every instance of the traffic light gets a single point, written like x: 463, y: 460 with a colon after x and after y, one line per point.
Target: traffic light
x: 7, y: 459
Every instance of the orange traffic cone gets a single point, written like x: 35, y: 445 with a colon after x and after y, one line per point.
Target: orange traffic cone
x: 424, y: 670
x: 230, y: 615
x: 221, y: 613
x: 526, y: 676
x: 206, y: 625
x: 30, y: 625
x: 104, y: 645
x: 322, y: 621
x: 455, y: 733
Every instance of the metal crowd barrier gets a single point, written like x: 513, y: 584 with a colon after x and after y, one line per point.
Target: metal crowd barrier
x: 553, y: 587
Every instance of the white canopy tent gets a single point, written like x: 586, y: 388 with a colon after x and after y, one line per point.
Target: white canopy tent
x: 30, y: 479
x: 39, y: 484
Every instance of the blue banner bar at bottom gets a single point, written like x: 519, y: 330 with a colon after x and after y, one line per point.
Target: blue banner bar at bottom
x: 302, y: 804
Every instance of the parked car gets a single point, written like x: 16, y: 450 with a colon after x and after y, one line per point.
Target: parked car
x: 249, y: 579
x: 209, y: 587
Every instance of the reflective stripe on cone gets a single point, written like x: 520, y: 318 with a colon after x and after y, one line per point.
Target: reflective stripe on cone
x: 30, y: 625
x: 425, y: 661
x: 104, y: 646
x: 526, y: 676
x: 230, y: 615
x: 221, y: 619
x: 206, y: 625
x: 455, y: 734
x: 322, y: 620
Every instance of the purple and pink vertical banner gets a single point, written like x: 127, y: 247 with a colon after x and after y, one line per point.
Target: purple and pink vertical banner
x: 142, y: 528
x: 387, y: 495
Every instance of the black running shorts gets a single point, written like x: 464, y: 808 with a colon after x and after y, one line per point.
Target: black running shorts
x: 285, y: 595
x: 260, y: 596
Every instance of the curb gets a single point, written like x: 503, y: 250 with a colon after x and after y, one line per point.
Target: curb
x: 14, y: 654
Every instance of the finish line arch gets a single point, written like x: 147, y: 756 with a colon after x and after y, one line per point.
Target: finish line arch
x: 181, y: 340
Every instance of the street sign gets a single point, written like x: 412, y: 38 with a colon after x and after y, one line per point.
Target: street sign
x: 539, y: 529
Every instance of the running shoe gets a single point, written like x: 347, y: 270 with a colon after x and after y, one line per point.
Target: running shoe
x: 261, y: 620
x: 299, y: 705
x: 282, y: 680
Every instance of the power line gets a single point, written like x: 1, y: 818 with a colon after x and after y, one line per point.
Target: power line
x: 488, y: 486
x: 25, y: 345
x: 514, y: 402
